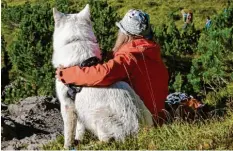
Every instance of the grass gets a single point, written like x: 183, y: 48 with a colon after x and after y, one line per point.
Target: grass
x: 216, y: 133
x: 160, y: 9
x: 18, y: 2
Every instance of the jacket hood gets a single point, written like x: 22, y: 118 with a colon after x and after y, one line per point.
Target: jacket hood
x: 149, y: 49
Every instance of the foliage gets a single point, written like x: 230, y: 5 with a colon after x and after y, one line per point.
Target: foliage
x: 177, y: 85
x: 212, y: 66
x: 178, y: 47
x: 12, y: 16
x: 176, y: 42
x: 4, y: 55
x: 159, y: 10
x: 5, y: 64
x: 30, y: 53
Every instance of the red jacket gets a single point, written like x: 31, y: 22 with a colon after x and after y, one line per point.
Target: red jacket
x: 139, y: 63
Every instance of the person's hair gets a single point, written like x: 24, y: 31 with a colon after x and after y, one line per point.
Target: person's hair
x: 123, y: 38
x: 208, y: 17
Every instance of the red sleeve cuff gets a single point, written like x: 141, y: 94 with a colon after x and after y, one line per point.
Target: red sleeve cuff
x: 69, y: 75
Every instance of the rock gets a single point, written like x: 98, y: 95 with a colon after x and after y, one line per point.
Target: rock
x: 3, y: 106
x: 13, y: 109
x: 30, y: 123
x: 8, y: 129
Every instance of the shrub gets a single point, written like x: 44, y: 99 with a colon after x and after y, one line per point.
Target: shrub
x: 30, y: 54
x: 212, y: 66
x: 178, y: 48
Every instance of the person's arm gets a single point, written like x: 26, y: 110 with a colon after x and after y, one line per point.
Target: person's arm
x: 100, y: 75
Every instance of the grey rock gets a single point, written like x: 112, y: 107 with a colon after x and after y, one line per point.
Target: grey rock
x: 31, y: 123
x: 13, y: 109
x: 4, y: 106
x: 8, y: 129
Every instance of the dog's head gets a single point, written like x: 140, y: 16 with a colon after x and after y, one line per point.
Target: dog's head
x: 72, y: 27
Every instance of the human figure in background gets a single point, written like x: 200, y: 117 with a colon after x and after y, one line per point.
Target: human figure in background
x: 184, y: 13
x: 208, y: 22
x: 189, y: 19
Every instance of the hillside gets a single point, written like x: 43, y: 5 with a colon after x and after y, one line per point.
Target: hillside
x: 159, y: 10
x: 199, y: 61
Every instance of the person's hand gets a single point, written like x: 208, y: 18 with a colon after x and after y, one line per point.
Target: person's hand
x: 59, y: 73
x: 67, y: 75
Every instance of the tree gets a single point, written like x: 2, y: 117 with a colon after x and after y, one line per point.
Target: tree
x: 212, y: 67
x: 31, y: 53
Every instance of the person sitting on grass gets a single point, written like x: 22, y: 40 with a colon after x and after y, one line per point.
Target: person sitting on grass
x: 137, y: 60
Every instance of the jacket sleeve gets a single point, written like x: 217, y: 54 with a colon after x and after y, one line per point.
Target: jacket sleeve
x: 105, y: 74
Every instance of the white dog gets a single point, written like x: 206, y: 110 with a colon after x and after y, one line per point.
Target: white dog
x: 111, y: 112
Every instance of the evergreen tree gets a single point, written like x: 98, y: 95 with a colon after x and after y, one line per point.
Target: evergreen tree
x: 212, y: 67
x: 31, y: 54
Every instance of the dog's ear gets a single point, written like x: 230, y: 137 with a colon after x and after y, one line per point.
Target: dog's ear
x: 85, y: 12
x: 57, y: 15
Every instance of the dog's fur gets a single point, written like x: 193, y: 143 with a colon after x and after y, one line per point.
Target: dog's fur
x: 111, y: 112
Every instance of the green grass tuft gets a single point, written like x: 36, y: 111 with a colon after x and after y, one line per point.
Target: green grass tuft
x: 216, y: 133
